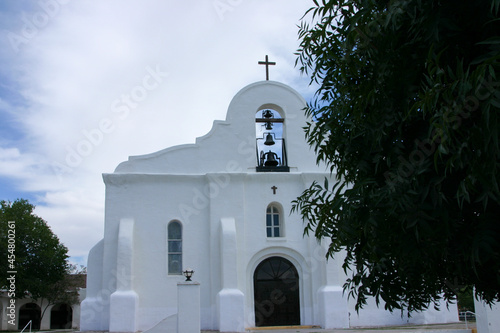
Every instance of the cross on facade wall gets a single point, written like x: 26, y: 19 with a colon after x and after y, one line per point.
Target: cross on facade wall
x: 274, y: 188
x: 267, y: 63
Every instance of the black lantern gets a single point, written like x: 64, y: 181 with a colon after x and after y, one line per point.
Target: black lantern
x: 188, y: 273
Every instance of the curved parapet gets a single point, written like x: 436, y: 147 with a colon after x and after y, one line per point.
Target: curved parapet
x: 230, y: 146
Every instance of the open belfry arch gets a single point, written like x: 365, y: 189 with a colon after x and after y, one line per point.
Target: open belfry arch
x: 221, y: 206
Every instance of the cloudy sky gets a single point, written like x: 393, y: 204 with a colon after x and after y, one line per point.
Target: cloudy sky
x: 85, y: 84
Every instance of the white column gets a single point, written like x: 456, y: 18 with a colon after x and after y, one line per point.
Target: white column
x: 92, y: 306
x: 3, y: 320
x: 45, y: 323
x: 188, y: 307
x: 123, y: 302
x: 230, y: 300
x: 487, y: 318
x: 333, y: 306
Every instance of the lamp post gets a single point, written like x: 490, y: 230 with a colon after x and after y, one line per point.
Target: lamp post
x: 188, y: 304
x: 188, y: 273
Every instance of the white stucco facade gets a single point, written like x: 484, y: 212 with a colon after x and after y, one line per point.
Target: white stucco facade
x: 487, y: 316
x: 213, y: 190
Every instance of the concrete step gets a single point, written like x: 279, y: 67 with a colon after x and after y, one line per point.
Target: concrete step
x: 438, y: 328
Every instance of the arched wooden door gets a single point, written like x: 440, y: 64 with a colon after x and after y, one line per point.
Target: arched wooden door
x: 276, y: 293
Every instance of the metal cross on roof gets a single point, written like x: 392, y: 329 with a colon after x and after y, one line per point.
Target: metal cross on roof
x: 267, y: 63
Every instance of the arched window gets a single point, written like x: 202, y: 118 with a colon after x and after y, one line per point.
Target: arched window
x: 273, y: 221
x: 174, y: 248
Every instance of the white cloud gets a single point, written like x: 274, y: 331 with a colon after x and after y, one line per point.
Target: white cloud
x: 75, y: 217
x: 15, y: 165
x: 88, y: 55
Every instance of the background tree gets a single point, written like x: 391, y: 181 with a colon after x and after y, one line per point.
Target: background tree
x: 66, y: 290
x: 407, y: 117
x: 465, y: 301
x: 40, y: 259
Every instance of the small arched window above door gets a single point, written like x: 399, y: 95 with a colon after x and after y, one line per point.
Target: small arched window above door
x: 271, y: 150
x: 274, y: 226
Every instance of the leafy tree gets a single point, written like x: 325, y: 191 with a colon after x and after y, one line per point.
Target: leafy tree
x: 65, y: 290
x: 465, y: 300
x: 40, y: 259
x: 407, y: 118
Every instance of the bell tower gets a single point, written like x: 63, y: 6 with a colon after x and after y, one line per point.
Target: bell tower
x: 270, y: 141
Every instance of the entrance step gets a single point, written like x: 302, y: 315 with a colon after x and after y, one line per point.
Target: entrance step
x: 437, y: 328
x: 272, y: 328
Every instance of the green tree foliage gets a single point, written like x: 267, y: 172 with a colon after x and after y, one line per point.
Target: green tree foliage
x: 66, y: 290
x: 407, y: 117
x: 40, y: 259
x: 465, y: 300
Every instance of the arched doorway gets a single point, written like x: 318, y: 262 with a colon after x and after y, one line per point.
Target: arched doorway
x: 276, y: 293
x: 27, y: 312
x: 61, y: 316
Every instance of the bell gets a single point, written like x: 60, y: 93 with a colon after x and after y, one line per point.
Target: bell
x: 269, y: 140
x: 267, y: 114
x: 271, y: 160
x: 269, y: 126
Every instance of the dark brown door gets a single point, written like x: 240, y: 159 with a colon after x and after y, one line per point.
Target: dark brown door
x: 276, y: 293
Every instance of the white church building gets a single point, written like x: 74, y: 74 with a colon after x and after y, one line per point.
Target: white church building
x: 221, y: 207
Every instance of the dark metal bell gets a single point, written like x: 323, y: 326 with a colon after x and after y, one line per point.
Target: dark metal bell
x: 267, y: 114
x: 269, y: 126
x: 269, y: 140
x: 271, y: 161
